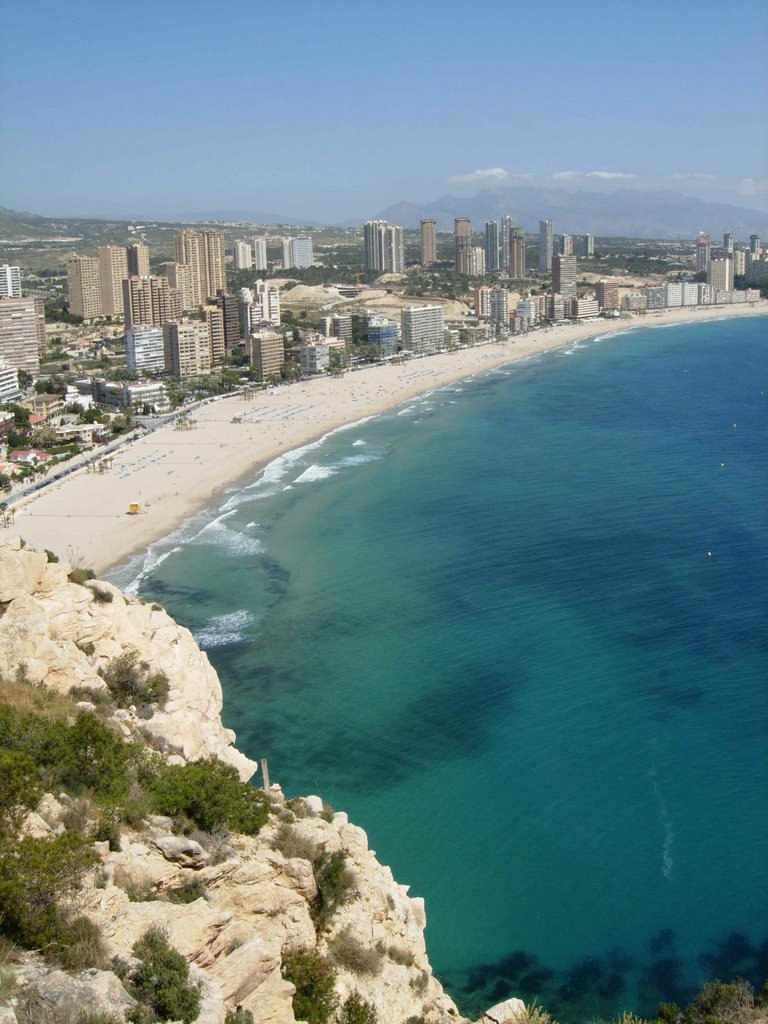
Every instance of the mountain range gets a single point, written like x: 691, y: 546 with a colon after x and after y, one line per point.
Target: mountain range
x: 626, y: 213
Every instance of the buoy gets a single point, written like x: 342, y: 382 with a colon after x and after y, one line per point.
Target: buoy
x: 733, y: 424
x: 722, y: 465
x: 709, y: 554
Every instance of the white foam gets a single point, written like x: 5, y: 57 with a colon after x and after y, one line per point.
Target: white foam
x: 218, y: 534
x: 313, y: 473
x: 356, y: 444
x: 223, y: 629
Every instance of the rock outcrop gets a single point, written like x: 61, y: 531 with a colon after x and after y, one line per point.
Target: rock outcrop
x: 251, y: 904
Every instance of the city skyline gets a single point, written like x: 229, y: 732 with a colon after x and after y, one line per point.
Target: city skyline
x: 415, y: 129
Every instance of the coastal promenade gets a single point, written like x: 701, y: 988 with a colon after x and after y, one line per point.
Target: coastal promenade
x: 171, y: 473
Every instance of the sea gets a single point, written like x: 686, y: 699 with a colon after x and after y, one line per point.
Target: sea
x: 516, y: 629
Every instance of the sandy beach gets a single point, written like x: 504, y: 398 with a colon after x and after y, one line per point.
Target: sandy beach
x: 173, y: 473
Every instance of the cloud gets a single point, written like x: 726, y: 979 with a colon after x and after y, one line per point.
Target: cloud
x: 610, y: 175
x: 486, y: 176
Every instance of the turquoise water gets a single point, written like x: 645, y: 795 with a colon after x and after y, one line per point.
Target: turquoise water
x: 487, y: 626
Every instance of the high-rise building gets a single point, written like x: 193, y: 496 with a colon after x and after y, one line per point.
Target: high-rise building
x: 84, y: 287
x: 301, y: 251
x: 150, y: 300
x: 266, y: 352
x: 428, y: 243
x: 564, y: 275
x: 203, y: 252
x: 384, y: 334
x: 214, y: 319
x: 10, y: 282
x: 341, y: 326
x: 144, y: 350
x: 259, y: 254
x: 566, y: 245
x: 384, y: 247
x: 499, y: 307
x: 516, y: 258
x: 285, y: 246
x: 462, y: 242
x: 720, y: 274
x: 230, y: 311
x: 242, y: 256
x: 422, y: 328
x: 476, y: 264
x: 545, y: 245
x: 180, y: 277
x: 491, y: 245
x: 607, y: 294
x: 138, y: 260
x: 22, y: 320
x: 739, y: 262
x: 754, y: 244
x: 187, y: 348
x: 703, y: 243
x: 113, y: 270
x: 728, y: 243
x: 482, y: 302
x: 267, y: 298
x: 588, y: 245
x: 507, y: 223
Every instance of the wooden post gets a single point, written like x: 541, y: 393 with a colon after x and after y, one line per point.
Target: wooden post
x: 265, y: 775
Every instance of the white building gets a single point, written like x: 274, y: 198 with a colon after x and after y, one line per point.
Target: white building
x: 297, y: 252
x: 527, y: 309
x: 285, y: 246
x: 315, y: 358
x: 259, y: 254
x: 690, y: 293
x: 10, y: 282
x: 144, y: 349
x: 499, y: 306
x: 674, y: 294
x: 720, y: 274
x: 267, y: 298
x: 422, y: 328
x: 9, y: 383
x: 384, y: 247
x: 242, y: 257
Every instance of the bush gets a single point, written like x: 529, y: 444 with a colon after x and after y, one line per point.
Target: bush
x: 349, y: 952
x: 185, y: 892
x: 37, y: 878
x: 718, y: 1002
x: 401, y: 955
x: 130, y: 682
x: 211, y: 795
x: 314, y: 978
x: 83, y: 946
x: 357, y: 1011
x: 291, y: 843
x: 81, y: 576
x: 108, y: 830
x: 161, y: 982
x: 298, y: 807
x: 102, y: 596
x: 21, y: 789
x: 239, y: 1016
x: 50, y: 556
x: 334, y: 885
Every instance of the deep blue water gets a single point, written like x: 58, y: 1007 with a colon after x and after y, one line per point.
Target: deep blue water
x: 488, y: 626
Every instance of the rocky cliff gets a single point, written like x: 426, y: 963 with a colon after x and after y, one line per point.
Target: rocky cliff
x: 250, y: 900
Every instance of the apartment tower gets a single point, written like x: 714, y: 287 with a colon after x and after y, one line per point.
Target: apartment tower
x: 138, y: 260
x: 491, y: 245
x: 428, y: 243
x: 113, y: 269
x: 10, y: 282
x: 84, y: 287
x: 545, y: 245
x: 150, y: 300
x: 22, y: 333
x: 516, y: 255
x: 564, y: 275
x: 462, y: 242
x: 507, y: 223
x: 203, y: 252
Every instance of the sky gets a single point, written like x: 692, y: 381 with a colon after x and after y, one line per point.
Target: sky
x: 337, y: 109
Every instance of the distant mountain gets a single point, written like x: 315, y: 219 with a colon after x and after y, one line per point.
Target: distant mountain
x: 624, y: 213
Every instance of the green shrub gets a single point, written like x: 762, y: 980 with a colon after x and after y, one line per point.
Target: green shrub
x: 327, y: 812
x: 37, y: 877
x: 718, y: 1002
x: 161, y: 982
x: 401, y: 955
x: 21, y: 789
x: 239, y: 1016
x: 297, y: 806
x: 291, y: 843
x: 211, y: 795
x: 108, y: 829
x: 335, y: 884
x: 185, y: 892
x: 82, y: 947
x: 357, y: 1011
x: 131, y: 683
x: 314, y: 978
x: 50, y: 556
x: 102, y: 596
x: 355, y: 956
x: 81, y: 576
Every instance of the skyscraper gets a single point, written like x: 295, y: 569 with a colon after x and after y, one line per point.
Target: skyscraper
x: 259, y: 254
x: 516, y: 255
x: 301, y: 251
x: 491, y: 245
x: 242, y: 256
x: 113, y: 269
x: 138, y: 260
x: 150, y: 300
x: 462, y: 242
x: 754, y: 244
x: 720, y: 274
x: 384, y: 247
x: 84, y: 287
x: 187, y: 348
x: 21, y: 322
x: 180, y: 277
x: 564, y: 275
x: 428, y: 243
x: 566, y: 245
x: 728, y: 243
x: 545, y: 245
x: 507, y: 223
x: 144, y: 351
x: 588, y: 245
x: 203, y: 252
x: 10, y: 282
x: 702, y: 252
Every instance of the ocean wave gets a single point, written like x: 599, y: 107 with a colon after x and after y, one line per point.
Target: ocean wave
x: 356, y: 444
x: 218, y: 534
x: 313, y: 473
x: 221, y: 630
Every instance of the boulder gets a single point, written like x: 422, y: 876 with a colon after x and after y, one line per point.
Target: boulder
x: 181, y: 850
x: 58, y: 995
x: 505, y: 1013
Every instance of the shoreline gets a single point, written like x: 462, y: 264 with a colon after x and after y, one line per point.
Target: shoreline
x: 174, y: 474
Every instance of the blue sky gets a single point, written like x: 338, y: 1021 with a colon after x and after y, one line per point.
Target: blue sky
x: 338, y: 109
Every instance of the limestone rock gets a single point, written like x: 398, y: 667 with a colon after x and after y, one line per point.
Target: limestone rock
x: 505, y: 1013
x: 183, y: 851
x: 62, y: 995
